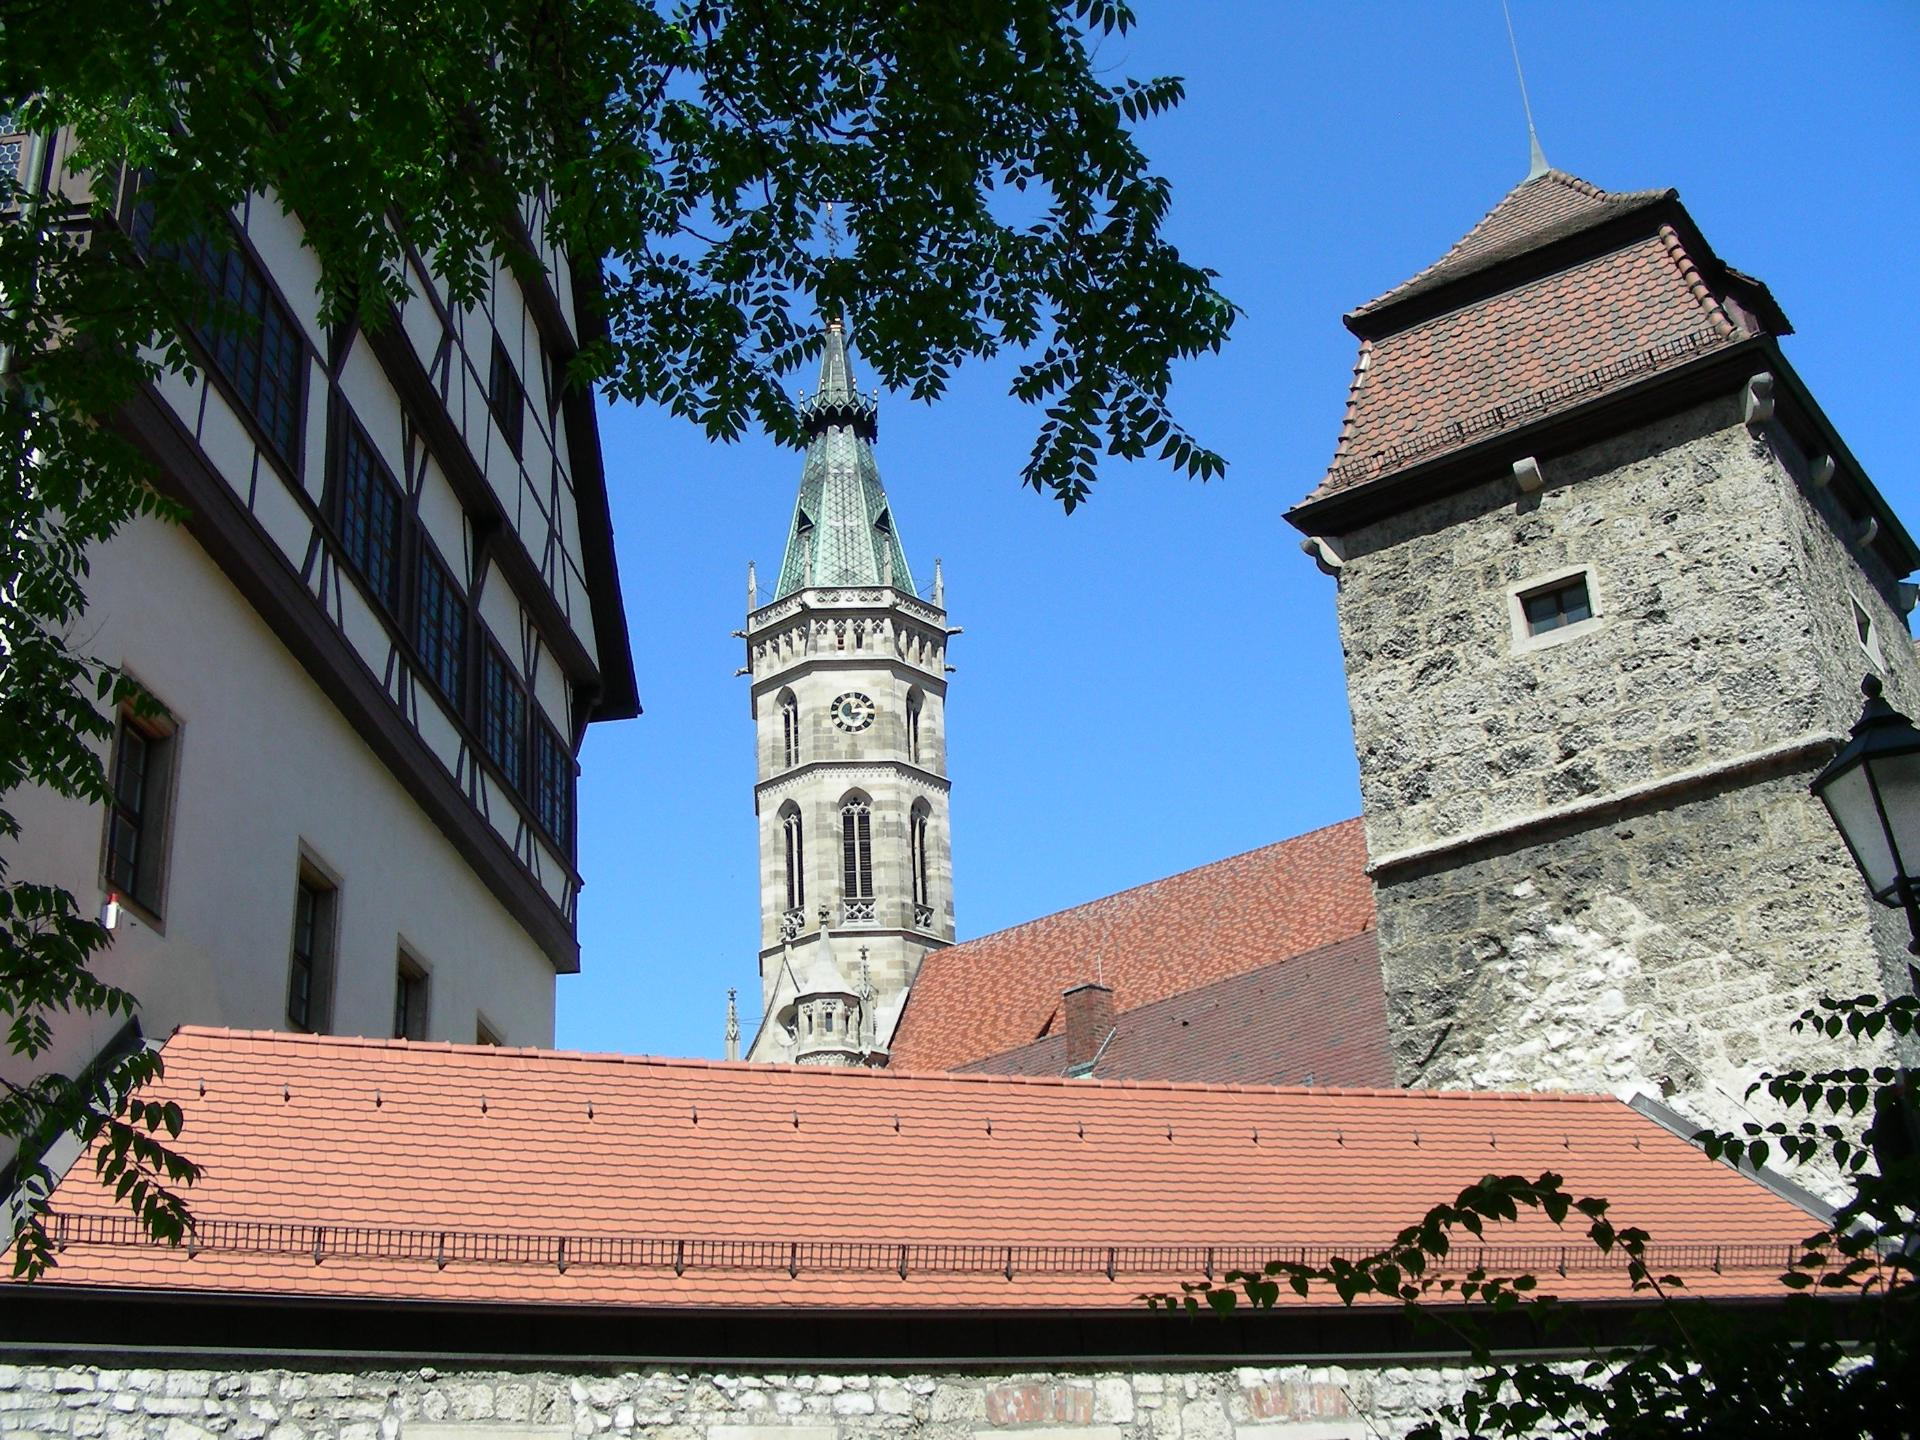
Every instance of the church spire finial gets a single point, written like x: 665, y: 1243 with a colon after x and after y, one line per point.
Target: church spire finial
x: 1536, y: 157
x: 842, y: 532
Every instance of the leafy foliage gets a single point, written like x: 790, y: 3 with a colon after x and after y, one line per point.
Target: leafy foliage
x: 990, y: 190
x: 1834, y: 1358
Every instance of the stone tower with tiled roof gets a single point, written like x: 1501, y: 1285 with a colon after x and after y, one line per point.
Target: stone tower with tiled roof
x: 848, y: 664
x: 1608, y: 581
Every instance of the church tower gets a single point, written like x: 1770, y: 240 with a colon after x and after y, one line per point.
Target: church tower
x: 848, y: 666
x: 1608, y: 583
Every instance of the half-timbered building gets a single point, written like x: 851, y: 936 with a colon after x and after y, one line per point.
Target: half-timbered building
x: 378, y: 639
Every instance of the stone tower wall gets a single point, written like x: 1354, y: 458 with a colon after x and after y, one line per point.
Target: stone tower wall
x: 1596, y: 860
x: 817, y: 646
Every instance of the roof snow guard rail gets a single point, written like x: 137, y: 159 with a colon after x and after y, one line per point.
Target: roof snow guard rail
x: 1510, y: 412
x: 322, y: 1243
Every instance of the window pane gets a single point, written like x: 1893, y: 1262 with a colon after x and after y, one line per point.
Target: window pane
x: 1550, y: 609
x: 440, y: 628
x: 503, y: 716
x: 369, y: 516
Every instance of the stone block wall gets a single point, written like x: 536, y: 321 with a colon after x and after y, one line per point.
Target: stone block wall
x: 440, y: 1402
x: 1596, y: 860
x: 1667, y: 946
x: 1721, y: 628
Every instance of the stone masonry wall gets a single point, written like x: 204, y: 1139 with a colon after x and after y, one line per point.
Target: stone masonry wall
x: 1669, y: 946
x: 1295, y: 1402
x: 1590, y: 874
x: 1719, y: 594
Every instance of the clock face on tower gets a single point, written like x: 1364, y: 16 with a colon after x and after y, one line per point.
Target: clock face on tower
x: 853, y: 711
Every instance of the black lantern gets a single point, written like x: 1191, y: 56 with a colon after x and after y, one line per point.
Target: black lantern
x: 1872, y: 790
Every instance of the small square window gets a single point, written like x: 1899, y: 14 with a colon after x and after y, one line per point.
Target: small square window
x: 1556, y: 606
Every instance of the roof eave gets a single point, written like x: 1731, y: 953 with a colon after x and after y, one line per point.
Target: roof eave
x: 1662, y: 392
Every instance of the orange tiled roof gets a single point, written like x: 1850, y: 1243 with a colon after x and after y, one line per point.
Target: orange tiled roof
x: 339, y: 1167
x: 1442, y: 376
x: 1319, y: 1018
x: 1003, y: 990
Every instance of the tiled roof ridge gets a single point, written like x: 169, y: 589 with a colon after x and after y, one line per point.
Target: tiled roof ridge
x: 1602, y: 201
x: 1689, y: 270
x: 862, y: 1075
x: 1132, y: 890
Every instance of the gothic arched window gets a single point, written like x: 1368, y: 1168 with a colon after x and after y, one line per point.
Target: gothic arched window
x: 796, y: 856
x: 914, y: 702
x: 789, y: 729
x: 856, y: 848
x: 917, y: 852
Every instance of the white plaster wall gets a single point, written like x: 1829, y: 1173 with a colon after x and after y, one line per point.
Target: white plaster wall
x: 263, y: 764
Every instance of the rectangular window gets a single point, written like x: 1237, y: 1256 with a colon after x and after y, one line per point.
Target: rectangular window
x: 249, y: 335
x: 1556, y: 606
x: 367, y: 509
x: 310, y: 972
x: 503, y: 716
x: 440, y: 628
x: 141, y: 771
x: 506, y: 396
x: 409, y: 1000
x: 552, y: 785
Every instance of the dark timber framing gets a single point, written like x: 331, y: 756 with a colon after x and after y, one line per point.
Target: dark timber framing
x: 230, y: 534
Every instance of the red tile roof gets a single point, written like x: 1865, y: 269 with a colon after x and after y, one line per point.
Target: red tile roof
x: 1314, y: 1019
x: 1003, y: 990
x: 337, y: 1167
x: 1535, y: 212
x: 1440, y: 376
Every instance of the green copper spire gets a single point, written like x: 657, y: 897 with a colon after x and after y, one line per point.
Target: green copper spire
x: 842, y: 529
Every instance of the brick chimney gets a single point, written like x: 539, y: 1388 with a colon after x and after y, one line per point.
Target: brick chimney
x: 1089, y: 1015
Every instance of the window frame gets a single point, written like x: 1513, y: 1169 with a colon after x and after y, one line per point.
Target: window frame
x: 856, y: 848
x: 495, y: 663
x: 291, y: 463
x: 348, y: 430
x: 508, y: 397
x: 426, y: 557
x: 794, y: 850
x: 788, y: 705
x: 323, y: 944
x: 410, y: 971
x: 541, y: 729
x: 153, y: 826
x: 919, y: 825
x: 1522, y: 635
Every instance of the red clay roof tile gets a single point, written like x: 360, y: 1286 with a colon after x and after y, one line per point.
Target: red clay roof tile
x: 1001, y: 991
x: 1431, y: 382
x: 1537, y: 211
x: 1319, y: 1018
x: 435, y: 1172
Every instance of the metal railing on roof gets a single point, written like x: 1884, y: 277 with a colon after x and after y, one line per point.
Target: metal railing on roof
x: 321, y: 1243
x: 1525, y: 407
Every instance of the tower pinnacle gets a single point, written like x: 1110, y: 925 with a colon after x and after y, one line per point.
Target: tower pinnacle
x: 842, y: 531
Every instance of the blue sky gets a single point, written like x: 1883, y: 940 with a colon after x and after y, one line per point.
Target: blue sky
x: 1154, y: 682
